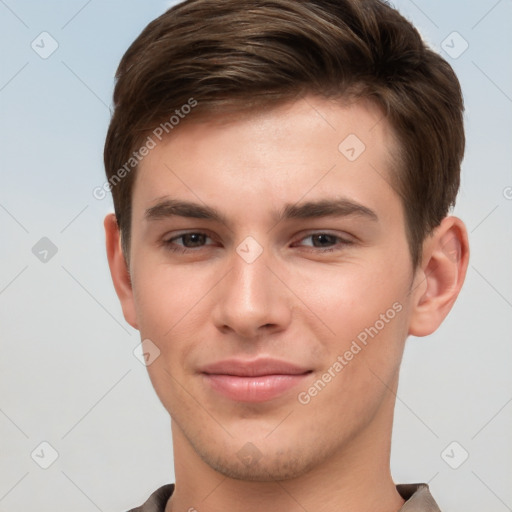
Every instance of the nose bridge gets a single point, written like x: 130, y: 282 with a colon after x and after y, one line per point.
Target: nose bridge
x: 251, y: 279
x: 250, y: 296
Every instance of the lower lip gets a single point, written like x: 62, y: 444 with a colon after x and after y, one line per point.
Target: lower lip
x: 253, y: 389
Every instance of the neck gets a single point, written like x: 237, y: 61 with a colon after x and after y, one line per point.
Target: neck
x: 357, y: 478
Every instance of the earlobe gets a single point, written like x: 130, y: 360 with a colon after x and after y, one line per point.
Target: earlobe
x: 440, y: 278
x: 119, y: 269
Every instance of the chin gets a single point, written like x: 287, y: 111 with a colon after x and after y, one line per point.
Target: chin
x: 262, y: 467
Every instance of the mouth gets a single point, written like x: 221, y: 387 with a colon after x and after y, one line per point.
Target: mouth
x: 257, y: 380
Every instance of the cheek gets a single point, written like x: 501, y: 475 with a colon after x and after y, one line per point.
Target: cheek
x: 169, y: 310
x: 164, y: 295
x: 360, y: 369
x: 350, y: 298
x: 173, y: 309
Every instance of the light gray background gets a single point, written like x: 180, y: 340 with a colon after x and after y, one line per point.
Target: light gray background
x: 67, y: 372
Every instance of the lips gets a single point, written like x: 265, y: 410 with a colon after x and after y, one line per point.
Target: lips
x: 255, y: 380
x: 254, y: 368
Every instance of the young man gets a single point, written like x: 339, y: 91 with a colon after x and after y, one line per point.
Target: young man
x: 282, y: 174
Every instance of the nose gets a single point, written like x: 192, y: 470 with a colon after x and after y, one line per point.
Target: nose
x: 252, y: 299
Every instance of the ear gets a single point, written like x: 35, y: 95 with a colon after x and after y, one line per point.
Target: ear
x: 119, y: 269
x: 439, y: 280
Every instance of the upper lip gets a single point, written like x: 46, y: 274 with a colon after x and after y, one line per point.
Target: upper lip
x: 254, y: 368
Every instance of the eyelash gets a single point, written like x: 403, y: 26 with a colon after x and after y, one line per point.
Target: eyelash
x: 170, y: 243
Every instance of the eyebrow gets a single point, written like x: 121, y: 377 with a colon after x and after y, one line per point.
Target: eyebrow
x: 307, y: 210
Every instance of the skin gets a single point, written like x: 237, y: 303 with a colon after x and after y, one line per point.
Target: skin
x: 293, y: 302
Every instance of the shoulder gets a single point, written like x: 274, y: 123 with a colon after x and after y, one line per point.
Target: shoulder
x: 418, y: 498
x: 157, y: 501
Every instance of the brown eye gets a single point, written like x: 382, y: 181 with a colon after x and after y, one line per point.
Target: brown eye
x: 193, y: 239
x: 323, y: 239
x: 187, y: 241
x: 326, y: 241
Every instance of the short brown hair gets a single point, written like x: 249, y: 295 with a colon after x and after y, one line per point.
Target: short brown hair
x: 253, y: 54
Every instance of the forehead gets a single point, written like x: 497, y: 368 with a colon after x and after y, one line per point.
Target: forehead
x: 310, y: 149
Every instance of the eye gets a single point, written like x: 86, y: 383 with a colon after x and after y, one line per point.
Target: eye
x: 194, y: 241
x: 190, y: 241
x: 326, y: 242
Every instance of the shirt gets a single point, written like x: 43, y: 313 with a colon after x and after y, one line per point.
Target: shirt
x: 417, y: 496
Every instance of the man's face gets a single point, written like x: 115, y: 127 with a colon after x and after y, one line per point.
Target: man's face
x: 327, y: 293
